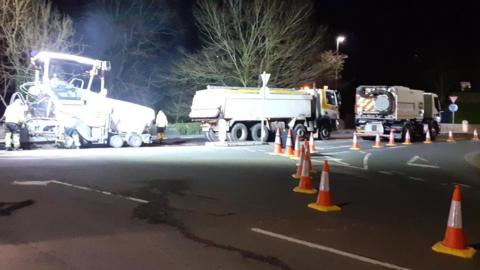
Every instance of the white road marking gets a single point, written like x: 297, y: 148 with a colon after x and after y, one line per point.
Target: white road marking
x: 386, y: 172
x: 334, y: 147
x: 365, y: 161
x: 45, y: 183
x: 412, y: 161
x: 329, y: 249
x: 416, y: 179
x: 333, y: 153
x: 463, y: 185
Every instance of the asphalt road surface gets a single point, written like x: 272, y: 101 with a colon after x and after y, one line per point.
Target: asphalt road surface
x: 189, y: 206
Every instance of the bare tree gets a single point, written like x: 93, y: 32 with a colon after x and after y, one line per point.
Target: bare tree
x: 241, y: 39
x: 26, y: 27
x: 133, y: 35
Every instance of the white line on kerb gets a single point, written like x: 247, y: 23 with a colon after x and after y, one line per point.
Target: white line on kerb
x: 365, y: 161
x: 329, y: 249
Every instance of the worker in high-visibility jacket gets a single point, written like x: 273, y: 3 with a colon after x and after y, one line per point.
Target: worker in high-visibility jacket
x: 161, y: 122
x: 14, y: 118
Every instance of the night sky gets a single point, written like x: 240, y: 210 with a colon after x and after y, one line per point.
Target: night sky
x: 388, y: 42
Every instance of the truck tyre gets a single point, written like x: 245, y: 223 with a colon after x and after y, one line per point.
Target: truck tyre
x: 324, y: 132
x: 211, y: 136
x: 300, y: 130
x: 116, y: 141
x: 256, y: 132
x: 135, y: 140
x: 238, y: 133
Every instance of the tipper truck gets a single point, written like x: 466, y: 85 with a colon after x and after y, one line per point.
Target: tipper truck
x: 68, y: 99
x: 242, y: 110
x: 380, y: 109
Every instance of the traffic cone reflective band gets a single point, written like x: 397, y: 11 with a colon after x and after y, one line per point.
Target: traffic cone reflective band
x: 427, y: 137
x: 391, y: 138
x: 305, y: 183
x: 324, y: 199
x: 312, y: 144
x: 288, y: 145
x: 407, y: 138
x: 377, y: 142
x: 299, y: 166
x: 296, y: 154
x: 454, y: 242
x: 277, y: 148
x: 475, y: 136
x: 450, y: 137
x: 355, y: 145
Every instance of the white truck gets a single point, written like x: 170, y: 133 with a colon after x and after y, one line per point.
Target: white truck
x: 68, y: 96
x: 243, y: 108
x: 379, y: 109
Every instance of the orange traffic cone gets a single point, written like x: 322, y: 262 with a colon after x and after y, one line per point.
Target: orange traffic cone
x: 277, y: 148
x: 377, y: 141
x: 312, y: 144
x: 475, y: 136
x: 407, y: 138
x: 454, y: 242
x: 324, y: 199
x: 427, y: 137
x: 308, y: 157
x: 355, y: 145
x: 296, y: 154
x: 305, y: 183
x: 391, y: 138
x: 288, y: 145
x: 299, y: 166
x: 450, y: 137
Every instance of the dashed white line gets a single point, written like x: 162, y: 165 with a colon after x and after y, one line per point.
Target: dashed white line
x: 329, y: 249
x: 416, y: 179
x: 45, y: 183
x: 463, y: 185
x: 386, y: 172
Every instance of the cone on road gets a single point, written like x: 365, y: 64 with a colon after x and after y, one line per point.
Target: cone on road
x: 475, y: 136
x: 277, y: 148
x: 299, y: 166
x: 305, y: 183
x: 355, y: 145
x: 407, y: 138
x: 308, y: 157
x: 377, y: 141
x: 450, y: 137
x: 288, y: 145
x: 391, y: 138
x: 324, y: 198
x: 296, y: 153
x: 454, y: 242
x: 312, y: 144
x: 428, y: 139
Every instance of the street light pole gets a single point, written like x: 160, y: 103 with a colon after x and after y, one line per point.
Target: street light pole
x: 340, y: 39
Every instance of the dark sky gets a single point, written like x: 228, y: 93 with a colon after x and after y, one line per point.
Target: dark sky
x: 388, y: 42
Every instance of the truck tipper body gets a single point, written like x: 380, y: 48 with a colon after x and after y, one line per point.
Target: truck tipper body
x: 380, y: 109
x: 242, y: 108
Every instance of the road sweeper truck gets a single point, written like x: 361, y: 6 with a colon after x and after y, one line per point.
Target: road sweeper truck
x: 68, y: 106
x: 242, y: 109
x: 380, y: 109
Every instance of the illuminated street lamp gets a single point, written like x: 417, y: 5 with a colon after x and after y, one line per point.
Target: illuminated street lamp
x: 340, y: 39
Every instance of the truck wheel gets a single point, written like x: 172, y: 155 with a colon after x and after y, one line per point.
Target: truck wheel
x: 300, y: 130
x: 238, y: 133
x: 256, y: 132
x: 116, y: 141
x: 324, y: 133
x: 135, y: 140
x: 211, y: 136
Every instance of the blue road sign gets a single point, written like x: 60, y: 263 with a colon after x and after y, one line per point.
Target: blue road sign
x: 453, y: 107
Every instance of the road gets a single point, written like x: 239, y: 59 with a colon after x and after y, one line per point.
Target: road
x: 189, y: 206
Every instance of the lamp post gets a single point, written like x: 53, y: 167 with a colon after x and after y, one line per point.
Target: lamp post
x: 340, y: 39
